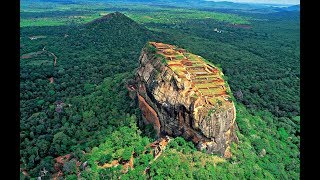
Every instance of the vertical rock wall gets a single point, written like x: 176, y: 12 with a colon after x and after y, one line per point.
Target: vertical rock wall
x: 185, y: 97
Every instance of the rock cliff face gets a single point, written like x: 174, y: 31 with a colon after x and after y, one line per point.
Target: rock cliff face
x: 181, y: 94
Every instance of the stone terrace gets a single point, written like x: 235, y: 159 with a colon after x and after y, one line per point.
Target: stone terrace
x: 197, y: 76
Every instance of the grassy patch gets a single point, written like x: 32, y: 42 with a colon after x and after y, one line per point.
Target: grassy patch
x: 140, y: 13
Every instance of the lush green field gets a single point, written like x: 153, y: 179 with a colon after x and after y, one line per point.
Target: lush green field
x: 58, y: 21
x: 79, y: 14
x: 261, y: 62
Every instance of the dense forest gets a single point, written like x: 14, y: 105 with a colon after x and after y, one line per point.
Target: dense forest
x: 67, y: 114
x: 74, y: 98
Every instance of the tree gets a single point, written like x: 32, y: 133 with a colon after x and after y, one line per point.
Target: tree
x: 283, y: 134
x: 69, y: 167
x: 61, y: 141
x: 105, y: 159
x: 127, y: 153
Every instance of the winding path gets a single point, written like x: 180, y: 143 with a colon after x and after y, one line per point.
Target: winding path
x: 54, y: 63
x: 55, y: 57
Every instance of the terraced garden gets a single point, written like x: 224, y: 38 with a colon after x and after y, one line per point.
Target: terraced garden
x: 204, y: 79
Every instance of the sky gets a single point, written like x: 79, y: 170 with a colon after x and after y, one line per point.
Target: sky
x: 265, y: 1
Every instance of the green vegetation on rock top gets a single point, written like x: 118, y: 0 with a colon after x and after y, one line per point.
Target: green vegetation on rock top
x: 87, y: 107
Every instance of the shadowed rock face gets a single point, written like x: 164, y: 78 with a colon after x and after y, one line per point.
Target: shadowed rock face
x: 182, y: 95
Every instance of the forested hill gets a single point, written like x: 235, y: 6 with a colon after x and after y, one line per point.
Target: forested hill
x: 79, y: 106
x: 63, y: 108
x: 115, y: 36
x: 113, y: 18
x: 115, y: 27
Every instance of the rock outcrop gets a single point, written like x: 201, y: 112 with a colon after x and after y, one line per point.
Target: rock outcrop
x: 182, y: 94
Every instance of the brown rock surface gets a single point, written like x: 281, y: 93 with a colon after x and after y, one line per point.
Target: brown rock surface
x: 184, y: 95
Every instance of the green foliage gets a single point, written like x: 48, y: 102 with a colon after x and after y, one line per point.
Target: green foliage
x: 105, y: 159
x: 140, y: 13
x: 139, y: 148
x: 88, y: 98
x: 181, y: 160
x: 280, y: 155
x: 40, y: 102
x: 270, y: 79
x: 283, y: 134
x: 164, y: 61
x: 88, y: 88
x: 150, y: 49
x: 71, y: 177
x: 149, y: 131
x: 122, y: 142
x: 161, y: 57
x: 126, y: 155
x: 95, y: 60
x: 70, y: 167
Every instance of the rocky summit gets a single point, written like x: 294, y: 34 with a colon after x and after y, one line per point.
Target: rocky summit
x: 182, y: 94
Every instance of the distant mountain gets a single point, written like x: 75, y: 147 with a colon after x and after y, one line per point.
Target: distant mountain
x: 282, y: 9
x: 114, y: 17
x: 52, y: 1
x: 201, y: 4
x: 293, y: 8
x: 114, y: 29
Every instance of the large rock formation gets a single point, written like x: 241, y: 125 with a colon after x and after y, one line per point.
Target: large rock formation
x: 182, y: 94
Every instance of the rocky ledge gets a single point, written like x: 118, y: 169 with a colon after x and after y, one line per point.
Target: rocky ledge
x: 182, y: 94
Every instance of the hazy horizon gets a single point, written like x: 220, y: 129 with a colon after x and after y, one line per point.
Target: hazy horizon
x: 287, y: 2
